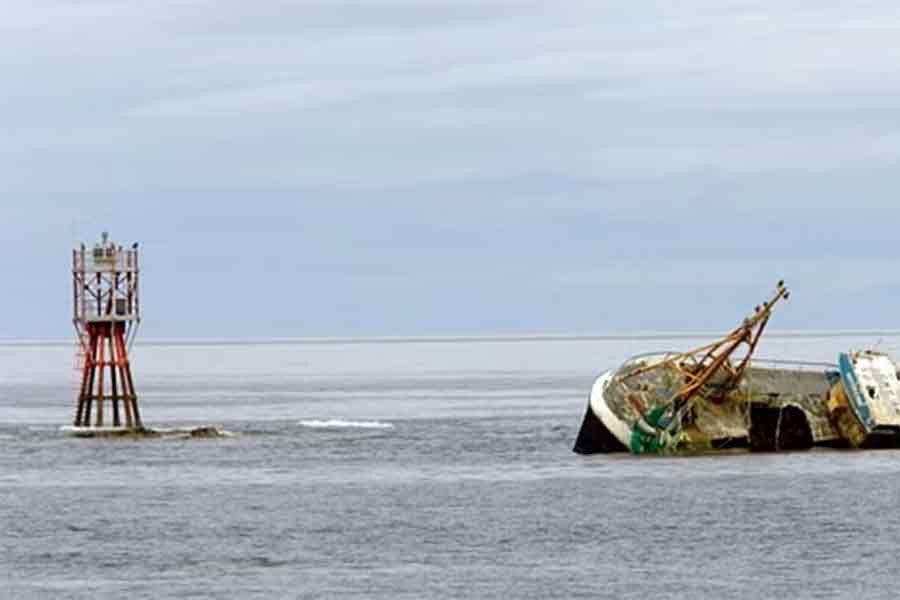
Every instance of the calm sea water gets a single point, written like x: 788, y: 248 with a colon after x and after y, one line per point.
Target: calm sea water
x: 415, y: 470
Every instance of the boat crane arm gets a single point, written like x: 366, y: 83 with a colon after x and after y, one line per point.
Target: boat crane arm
x: 716, y: 357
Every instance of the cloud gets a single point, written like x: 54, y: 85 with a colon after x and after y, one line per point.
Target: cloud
x: 366, y: 147
x: 825, y: 274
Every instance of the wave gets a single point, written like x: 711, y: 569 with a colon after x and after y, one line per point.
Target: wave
x: 341, y: 424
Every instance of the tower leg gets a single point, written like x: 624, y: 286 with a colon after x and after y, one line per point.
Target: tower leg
x: 127, y: 379
x: 113, y: 362
x: 91, y: 374
x: 106, y: 349
x: 83, y: 391
x: 126, y: 402
x: 101, y: 364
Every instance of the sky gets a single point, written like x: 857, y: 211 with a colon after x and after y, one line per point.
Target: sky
x: 404, y: 168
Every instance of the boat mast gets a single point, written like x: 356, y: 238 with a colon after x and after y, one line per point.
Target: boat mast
x: 700, y: 365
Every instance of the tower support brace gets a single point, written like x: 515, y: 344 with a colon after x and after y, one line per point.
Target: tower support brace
x: 106, y: 354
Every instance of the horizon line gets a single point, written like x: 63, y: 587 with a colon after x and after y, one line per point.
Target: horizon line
x: 449, y: 339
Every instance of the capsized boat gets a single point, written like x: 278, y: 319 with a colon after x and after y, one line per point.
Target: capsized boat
x: 712, y: 398
x: 865, y: 404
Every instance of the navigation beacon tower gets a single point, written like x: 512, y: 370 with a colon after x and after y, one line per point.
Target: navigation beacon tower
x: 106, y: 314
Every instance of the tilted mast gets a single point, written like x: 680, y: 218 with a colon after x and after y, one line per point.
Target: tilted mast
x: 701, y: 365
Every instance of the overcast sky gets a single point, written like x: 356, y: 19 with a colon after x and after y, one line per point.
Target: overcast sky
x: 391, y: 167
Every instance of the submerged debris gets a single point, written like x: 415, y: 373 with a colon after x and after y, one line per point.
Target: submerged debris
x: 208, y: 432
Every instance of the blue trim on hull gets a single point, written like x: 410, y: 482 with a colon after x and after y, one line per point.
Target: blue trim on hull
x: 854, y: 393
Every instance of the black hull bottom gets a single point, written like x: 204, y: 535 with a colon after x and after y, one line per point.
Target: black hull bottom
x: 595, y: 438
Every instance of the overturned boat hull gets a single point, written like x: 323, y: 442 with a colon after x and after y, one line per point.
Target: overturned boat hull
x: 777, y: 408
x: 714, y: 397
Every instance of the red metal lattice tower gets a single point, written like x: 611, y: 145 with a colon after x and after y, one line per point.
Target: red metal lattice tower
x: 106, y: 314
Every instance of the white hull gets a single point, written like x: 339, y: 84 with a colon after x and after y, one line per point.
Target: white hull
x: 616, y: 426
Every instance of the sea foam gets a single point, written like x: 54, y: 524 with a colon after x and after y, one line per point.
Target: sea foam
x: 341, y: 424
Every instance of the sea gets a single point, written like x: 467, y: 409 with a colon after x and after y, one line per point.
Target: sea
x: 417, y: 468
